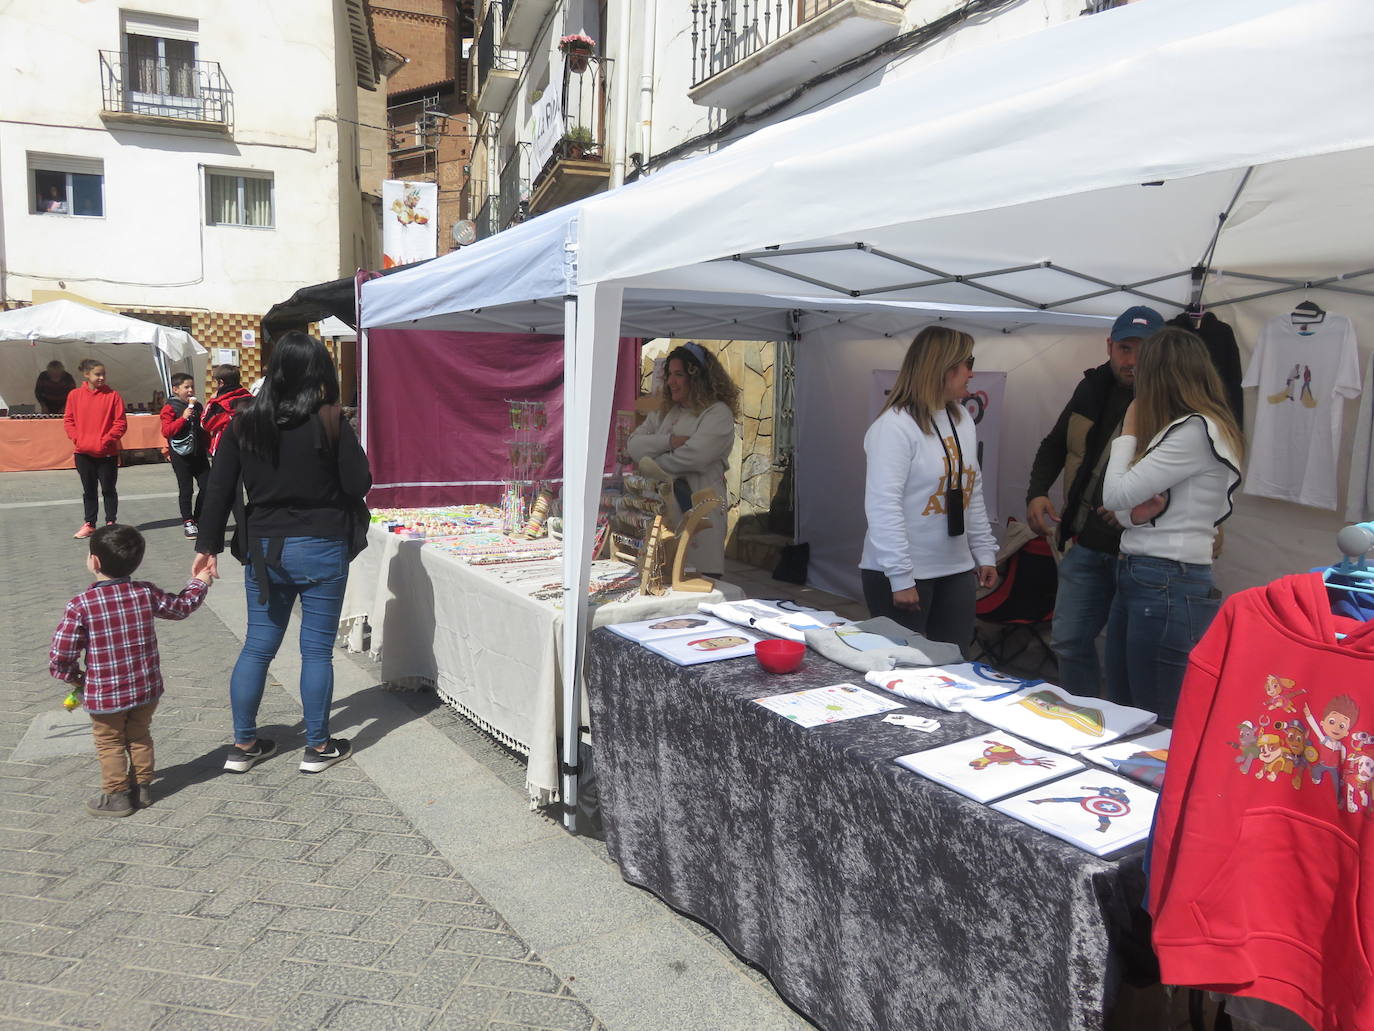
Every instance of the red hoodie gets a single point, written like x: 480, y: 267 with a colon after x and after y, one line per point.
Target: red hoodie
x: 1258, y: 881
x: 220, y: 411
x: 95, y: 420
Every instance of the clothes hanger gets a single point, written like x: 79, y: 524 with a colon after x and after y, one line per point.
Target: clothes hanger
x: 1356, y: 541
x: 1307, y: 313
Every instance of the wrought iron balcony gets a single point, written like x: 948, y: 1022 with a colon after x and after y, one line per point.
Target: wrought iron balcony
x: 496, y: 72
x: 488, y: 217
x: 150, y: 89
x: 746, y: 49
x: 576, y: 165
x: 515, y: 186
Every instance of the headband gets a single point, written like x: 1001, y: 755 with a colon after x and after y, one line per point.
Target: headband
x: 696, y: 351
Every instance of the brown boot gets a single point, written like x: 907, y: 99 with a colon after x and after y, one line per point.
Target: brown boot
x: 143, y: 795
x: 117, y: 804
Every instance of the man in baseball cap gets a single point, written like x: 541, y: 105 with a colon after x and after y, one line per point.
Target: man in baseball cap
x: 1077, y: 447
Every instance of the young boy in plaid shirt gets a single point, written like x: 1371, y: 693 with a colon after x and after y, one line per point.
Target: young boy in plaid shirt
x: 112, y: 622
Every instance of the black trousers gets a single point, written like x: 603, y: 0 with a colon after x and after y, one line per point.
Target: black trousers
x: 191, y: 470
x: 102, y: 471
x: 947, y: 605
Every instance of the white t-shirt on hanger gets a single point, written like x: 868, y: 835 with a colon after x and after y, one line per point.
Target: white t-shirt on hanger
x: 1303, y: 373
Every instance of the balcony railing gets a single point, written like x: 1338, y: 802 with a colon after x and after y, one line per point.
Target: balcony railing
x: 584, y: 115
x: 515, y: 187
x: 191, y: 91
x: 489, y: 56
x: 489, y: 217
x: 725, y: 32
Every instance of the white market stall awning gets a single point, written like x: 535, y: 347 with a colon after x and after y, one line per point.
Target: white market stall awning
x: 66, y: 322
x: 1082, y: 169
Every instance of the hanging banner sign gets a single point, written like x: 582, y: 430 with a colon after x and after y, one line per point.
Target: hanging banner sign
x: 548, y: 121
x: 410, y: 226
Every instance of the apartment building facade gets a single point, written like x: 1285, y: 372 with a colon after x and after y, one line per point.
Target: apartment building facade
x: 183, y: 160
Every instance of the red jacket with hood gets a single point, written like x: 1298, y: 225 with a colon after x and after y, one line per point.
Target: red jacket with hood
x: 1262, y: 870
x: 95, y: 420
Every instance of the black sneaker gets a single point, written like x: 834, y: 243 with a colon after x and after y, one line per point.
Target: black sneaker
x: 241, y: 760
x: 336, y: 751
x: 117, y: 804
x: 190, y: 530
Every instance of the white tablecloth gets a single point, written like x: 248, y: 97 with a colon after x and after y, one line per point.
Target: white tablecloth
x: 476, y: 635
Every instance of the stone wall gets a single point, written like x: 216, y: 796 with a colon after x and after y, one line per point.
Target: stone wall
x: 753, y: 478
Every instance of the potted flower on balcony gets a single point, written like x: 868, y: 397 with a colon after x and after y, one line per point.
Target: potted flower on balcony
x: 579, y: 48
x: 579, y: 143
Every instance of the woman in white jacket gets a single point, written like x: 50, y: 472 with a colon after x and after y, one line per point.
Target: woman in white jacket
x: 929, y: 545
x: 1178, y: 456
x: 690, y: 438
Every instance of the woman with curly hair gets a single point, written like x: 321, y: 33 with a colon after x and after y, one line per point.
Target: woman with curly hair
x: 690, y: 437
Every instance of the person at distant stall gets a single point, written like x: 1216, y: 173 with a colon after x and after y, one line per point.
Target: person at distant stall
x: 1178, y: 456
x: 1086, y: 530
x: 52, y: 387
x: 929, y: 544
x: 95, y: 423
x: 689, y: 438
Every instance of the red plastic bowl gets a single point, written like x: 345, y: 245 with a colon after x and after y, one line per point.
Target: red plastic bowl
x: 780, y: 656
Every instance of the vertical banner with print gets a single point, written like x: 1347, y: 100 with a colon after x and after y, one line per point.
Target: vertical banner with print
x: 987, y: 392
x: 548, y: 120
x: 410, y: 224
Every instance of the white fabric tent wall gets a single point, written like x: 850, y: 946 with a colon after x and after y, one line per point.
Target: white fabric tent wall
x: 834, y: 373
x: 131, y: 369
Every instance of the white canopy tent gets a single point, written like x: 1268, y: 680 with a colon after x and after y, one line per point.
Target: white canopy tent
x: 1081, y: 169
x: 33, y: 336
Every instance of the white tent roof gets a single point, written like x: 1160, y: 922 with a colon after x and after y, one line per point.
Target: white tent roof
x: 1028, y: 155
x: 66, y: 322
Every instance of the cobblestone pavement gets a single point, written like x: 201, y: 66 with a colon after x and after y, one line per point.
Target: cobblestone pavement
x: 272, y: 900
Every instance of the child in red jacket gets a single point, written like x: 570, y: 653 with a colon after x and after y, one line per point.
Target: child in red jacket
x: 186, y: 441
x: 95, y: 422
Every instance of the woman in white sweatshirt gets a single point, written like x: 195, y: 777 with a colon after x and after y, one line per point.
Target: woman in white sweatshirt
x: 929, y: 545
x: 690, y: 438
x: 1179, y: 455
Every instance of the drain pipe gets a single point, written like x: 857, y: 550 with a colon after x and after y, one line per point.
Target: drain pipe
x: 646, y: 84
x: 622, y: 94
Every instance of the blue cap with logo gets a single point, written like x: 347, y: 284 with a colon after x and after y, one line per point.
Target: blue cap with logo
x: 1137, y: 323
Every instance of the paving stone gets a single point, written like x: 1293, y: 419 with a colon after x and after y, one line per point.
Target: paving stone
x: 30, y: 937
x: 371, y: 1016
x: 374, y: 985
x: 194, y: 1020
x: 199, y: 992
x: 470, y: 1008
x: 382, y: 927
x: 27, y: 969
x: 448, y: 889
x: 109, y: 1012
x: 414, y: 949
x: 318, y: 921
x: 427, y: 866
x: 34, y: 1002
x: 546, y: 1011
x: 477, y: 942
x: 500, y: 973
x: 323, y: 948
x: 306, y: 1012
x: 177, y: 959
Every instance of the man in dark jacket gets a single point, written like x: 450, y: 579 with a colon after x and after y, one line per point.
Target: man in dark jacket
x: 1077, y: 447
x: 51, y: 390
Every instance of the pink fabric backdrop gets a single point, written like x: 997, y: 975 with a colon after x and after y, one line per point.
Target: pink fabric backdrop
x: 437, y: 421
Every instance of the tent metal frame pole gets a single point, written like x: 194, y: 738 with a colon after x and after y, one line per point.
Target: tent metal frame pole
x: 362, y: 359
x: 572, y: 704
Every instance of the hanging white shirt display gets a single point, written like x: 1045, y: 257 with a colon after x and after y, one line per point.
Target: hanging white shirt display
x: 1304, y: 373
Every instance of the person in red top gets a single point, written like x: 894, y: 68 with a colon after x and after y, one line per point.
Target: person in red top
x: 95, y: 423
x: 187, y: 443
x: 112, y: 622
x: 219, y: 411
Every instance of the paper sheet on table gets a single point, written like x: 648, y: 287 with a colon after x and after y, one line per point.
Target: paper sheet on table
x: 820, y: 705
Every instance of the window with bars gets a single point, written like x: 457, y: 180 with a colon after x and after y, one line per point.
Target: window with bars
x: 239, y: 199
x: 66, y: 185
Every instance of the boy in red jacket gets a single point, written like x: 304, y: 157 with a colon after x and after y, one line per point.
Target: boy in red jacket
x: 219, y: 412
x: 187, y: 443
x: 95, y: 422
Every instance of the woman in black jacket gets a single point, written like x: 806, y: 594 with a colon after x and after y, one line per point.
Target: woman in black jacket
x: 305, y: 476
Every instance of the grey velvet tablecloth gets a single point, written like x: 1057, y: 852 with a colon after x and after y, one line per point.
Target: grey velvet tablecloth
x: 872, y: 897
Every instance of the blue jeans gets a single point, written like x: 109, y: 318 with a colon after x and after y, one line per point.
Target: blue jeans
x: 316, y: 571
x: 1162, y: 608
x: 1087, y: 583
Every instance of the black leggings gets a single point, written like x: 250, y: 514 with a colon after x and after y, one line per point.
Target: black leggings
x: 193, y: 469
x: 947, y: 604
x: 103, y: 471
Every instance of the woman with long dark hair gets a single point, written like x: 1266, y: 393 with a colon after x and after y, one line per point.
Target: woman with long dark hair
x: 1179, y: 457
x: 929, y: 543
x: 305, y: 476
